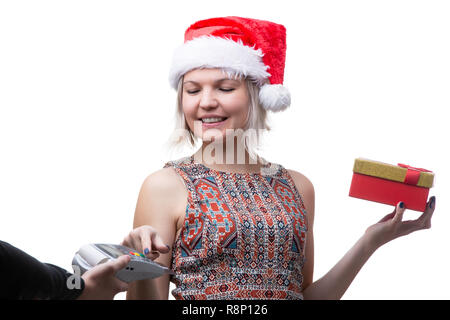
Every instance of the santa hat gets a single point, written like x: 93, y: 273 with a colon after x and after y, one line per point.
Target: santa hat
x: 248, y: 47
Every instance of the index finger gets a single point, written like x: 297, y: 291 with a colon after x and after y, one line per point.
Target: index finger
x: 146, y: 243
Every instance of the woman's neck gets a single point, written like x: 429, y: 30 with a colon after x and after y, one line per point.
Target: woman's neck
x: 232, y: 159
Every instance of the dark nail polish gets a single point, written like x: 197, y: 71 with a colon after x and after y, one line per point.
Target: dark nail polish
x: 146, y: 251
x: 401, y: 205
x: 432, y: 202
x: 168, y: 247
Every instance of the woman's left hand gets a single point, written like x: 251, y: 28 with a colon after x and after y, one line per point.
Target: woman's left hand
x: 392, y: 226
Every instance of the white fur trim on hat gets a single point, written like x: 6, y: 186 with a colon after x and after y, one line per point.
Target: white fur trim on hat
x: 217, y: 52
x: 274, y: 97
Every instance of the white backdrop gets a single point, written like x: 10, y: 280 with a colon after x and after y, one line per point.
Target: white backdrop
x: 85, y: 110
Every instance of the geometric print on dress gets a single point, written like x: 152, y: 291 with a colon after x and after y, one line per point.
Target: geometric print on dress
x: 220, y: 221
x: 284, y: 193
x: 192, y: 234
x: 214, y: 214
x: 243, y: 235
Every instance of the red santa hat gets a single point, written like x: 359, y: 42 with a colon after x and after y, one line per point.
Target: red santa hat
x: 248, y: 47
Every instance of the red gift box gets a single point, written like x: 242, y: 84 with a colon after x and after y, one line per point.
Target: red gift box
x: 389, y: 184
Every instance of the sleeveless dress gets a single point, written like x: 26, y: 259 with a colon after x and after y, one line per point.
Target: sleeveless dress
x: 243, y: 235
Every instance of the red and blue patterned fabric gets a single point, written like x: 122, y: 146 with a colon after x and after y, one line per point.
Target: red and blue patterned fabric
x: 243, y: 235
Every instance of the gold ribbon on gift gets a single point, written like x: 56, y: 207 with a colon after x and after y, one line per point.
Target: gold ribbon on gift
x: 392, y: 172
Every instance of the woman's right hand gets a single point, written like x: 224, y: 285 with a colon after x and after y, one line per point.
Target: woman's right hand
x: 145, y: 239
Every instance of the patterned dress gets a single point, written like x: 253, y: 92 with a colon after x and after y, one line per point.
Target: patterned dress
x: 243, y: 235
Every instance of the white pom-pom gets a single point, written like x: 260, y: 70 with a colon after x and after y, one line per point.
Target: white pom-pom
x: 274, y: 97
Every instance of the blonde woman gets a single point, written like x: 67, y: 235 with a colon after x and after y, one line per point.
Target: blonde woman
x: 230, y: 224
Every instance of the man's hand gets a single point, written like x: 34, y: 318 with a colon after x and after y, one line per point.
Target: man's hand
x: 101, y: 282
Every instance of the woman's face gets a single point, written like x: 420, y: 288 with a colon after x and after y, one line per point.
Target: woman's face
x: 209, y: 93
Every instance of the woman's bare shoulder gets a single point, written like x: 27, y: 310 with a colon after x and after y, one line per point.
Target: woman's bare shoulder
x: 166, y: 188
x: 165, y: 179
x: 301, y: 181
x: 165, y: 183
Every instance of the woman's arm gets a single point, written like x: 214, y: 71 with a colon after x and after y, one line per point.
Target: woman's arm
x: 155, y: 224
x: 306, y: 190
x: 334, y: 284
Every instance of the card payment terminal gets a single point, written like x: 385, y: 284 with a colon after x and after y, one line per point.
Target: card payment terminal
x: 139, y: 267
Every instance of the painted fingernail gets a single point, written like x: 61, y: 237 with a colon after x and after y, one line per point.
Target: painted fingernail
x: 432, y: 202
x: 168, y: 247
x: 401, y: 205
x: 146, y: 251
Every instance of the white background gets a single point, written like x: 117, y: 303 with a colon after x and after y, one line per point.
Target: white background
x: 86, y: 108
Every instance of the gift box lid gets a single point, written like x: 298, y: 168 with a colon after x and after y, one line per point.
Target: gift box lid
x: 400, y: 173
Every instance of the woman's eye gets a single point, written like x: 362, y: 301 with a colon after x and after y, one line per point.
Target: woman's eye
x: 226, y: 90
x: 192, y: 91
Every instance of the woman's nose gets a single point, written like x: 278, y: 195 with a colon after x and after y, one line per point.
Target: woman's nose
x: 207, y: 99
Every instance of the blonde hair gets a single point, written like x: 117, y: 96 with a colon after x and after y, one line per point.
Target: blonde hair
x: 257, y: 119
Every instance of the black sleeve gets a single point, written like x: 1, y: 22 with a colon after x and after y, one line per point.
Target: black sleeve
x: 24, y: 277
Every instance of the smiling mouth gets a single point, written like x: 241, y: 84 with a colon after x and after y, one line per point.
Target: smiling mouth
x: 213, y: 120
